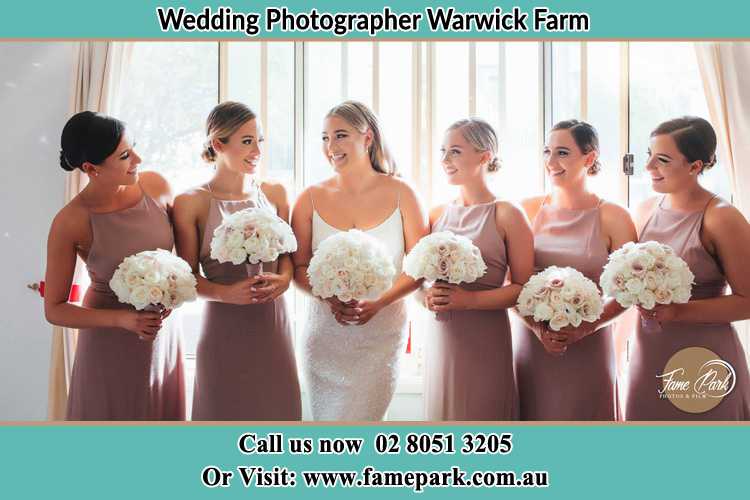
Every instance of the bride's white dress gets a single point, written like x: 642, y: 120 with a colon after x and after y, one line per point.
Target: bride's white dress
x: 350, y: 372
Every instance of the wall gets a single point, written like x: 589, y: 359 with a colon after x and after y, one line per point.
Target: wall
x: 35, y: 89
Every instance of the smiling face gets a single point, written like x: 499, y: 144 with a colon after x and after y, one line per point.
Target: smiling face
x: 119, y: 168
x: 342, y: 144
x: 564, y: 161
x: 461, y: 161
x: 241, y: 152
x: 669, y: 169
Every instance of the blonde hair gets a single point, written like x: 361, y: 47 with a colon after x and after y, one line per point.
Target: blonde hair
x: 362, y: 118
x: 481, y: 136
x: 223, y: 121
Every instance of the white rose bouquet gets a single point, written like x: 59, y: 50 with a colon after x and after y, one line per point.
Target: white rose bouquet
x: 445, y: 256
x: 351, y: 265
x: 154, y: 278
x: 646, y: 274
x: 561, y: 296
x: 252, y: 235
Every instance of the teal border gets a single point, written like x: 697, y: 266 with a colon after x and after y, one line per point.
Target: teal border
x: 635, y: 19
x: 583, y: 461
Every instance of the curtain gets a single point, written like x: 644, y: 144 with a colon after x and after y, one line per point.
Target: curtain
x: 724, y: 67
x: 97, y: 75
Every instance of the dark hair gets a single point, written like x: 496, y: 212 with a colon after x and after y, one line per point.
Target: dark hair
x: 586, y: 138
x: 89, y: 137
x: 223, y: 121
x: 694, y: 137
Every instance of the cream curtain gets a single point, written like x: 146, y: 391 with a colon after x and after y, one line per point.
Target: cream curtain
x: 97, y: 76
x: 724, y: 68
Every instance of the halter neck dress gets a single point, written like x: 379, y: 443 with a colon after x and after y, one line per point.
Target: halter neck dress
x: 468, y: 354
x: 117, y: 376
x: 651, y: 348
x: 580, y: 384
x: 245, y: 363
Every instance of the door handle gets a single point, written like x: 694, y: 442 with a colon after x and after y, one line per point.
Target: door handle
x: 628, y: 164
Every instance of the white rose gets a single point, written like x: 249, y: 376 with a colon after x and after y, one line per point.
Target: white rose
x: 543, y: 312
x: 625, y: 299
x: 555, y: 300
x: 558, y: 320
x: 237, y: 256
x: 133, y: 279
x: 155, y: 295
x: 575, y: 319
x: 634, y: 286
x: 139, y: 297
x: 681, y: 295
x: 647, y: 299
x: 663, y: 296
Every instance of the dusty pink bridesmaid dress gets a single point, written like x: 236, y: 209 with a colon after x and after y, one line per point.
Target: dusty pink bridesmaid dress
x: 245, y: 363
x: 117, y: 376
x: 581, y: 384
x: 651, y: 347
x: 468, y: 354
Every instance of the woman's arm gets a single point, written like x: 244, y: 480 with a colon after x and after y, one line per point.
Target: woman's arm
x: 67, y: 229
x: 187, y: 209
x: 519, y: 242
x: 302, y: 227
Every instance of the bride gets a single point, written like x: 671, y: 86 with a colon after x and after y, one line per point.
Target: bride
x: 350, y: 351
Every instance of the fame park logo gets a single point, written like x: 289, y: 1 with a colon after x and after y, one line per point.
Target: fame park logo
x: 696, y: 380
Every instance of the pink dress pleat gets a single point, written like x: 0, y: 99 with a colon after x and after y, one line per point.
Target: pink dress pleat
x: 245, y: 363
x: 469, y: 357
x: 651, y: 348
x: 581, y: 384
x: 117, y: 376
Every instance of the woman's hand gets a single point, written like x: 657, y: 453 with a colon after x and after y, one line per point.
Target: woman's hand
x: 338, y: 309
x: 355, y: 312
x: 660, y: 312
x: 553, y: 342
x: 269, y: 287
x: 574, y: 334
x: 364, y: 311
x: 145, y: 324
x: 241, y: 293
x: 447, y: 297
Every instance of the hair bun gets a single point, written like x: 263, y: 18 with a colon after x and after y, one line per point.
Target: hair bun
x: 89, y: 137
x: 64, y: 162
x: 494, y: 165
x: 595, y: 168
x: 711, y: 162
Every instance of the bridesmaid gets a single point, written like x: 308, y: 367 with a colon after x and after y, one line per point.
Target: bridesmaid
x: 713, y: 238
x: 351, y: 351
x: 571, y: 374
x: 125, y: 367
x: 245, y: 365
x: 469, y: 356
